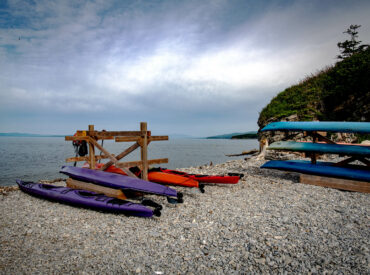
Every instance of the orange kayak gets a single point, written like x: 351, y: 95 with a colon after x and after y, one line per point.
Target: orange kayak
x: 164, y: 178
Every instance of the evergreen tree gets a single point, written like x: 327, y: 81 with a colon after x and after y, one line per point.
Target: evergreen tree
x: 349, y: 47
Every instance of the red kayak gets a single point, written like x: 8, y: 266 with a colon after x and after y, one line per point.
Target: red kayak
x: 231, y: 178
x: 155, y: 176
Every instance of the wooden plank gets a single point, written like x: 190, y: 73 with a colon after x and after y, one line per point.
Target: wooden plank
x: 110, y: 192
x: 157, y: 138
x: 343, y: 184
x: 150, y: 138
x: 121, y: 155
x: 127, y: 139
x: 100, y: 134
x: 144, y: 150
x: 73, y: 159
x: 91, y: 150
x: 139, y: 163
x: 113, y: 159
x: 128, y: 172
x: 86, y: 138
x: 72, y: 138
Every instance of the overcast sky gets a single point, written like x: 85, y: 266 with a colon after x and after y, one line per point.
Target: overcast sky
x: 199, y: 67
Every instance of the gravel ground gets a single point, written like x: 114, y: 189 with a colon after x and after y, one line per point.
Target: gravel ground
x: 267, y: 223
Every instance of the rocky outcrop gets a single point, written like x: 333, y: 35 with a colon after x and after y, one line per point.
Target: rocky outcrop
x: 337, y: 93
x: 299, y: 136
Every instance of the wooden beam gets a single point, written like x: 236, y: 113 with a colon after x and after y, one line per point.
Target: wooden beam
x: 101, y: 148
x: 321, y: 137
x: 112, y: 158
x: 139, y: 163
x: 351, y: 159
x: 150, y: 138
x: 73, y: 159
x: 73, y: 138
x: 343, y: 184
x: 365, y: 161
x: 157, y: 138
x: 127, y: 139
x: 110, y: 192
x: 144, y: 150
x: 86, y: 138
x: 313, y: 155
x: 100, y: 134
x: 91, y: 150
x: 121, y: 155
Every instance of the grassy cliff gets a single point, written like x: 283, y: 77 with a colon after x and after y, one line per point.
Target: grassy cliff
x: 338, y: 93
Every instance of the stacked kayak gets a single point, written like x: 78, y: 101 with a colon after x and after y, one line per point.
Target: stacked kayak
x: 117, y: 181
x: 156, y: 176
x: 116, y: 178
x: 229, y: 179
x: 87, y: 199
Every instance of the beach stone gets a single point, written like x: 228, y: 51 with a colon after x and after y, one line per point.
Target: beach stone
x: 268, y: 223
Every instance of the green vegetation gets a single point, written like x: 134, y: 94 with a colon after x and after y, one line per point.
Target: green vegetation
x: 350, y: 47
x: 247, y: 135
x: 338, y: 93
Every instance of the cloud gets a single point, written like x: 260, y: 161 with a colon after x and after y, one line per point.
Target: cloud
x: 199, y: 62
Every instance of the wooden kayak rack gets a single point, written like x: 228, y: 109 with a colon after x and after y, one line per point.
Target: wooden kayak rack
x: 141, y: 138
x: 332, y: 182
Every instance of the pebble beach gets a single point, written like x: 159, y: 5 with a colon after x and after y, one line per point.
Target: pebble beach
x: 268, y: 223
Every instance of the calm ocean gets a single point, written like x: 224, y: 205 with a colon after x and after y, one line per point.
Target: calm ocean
x: 37, y: 158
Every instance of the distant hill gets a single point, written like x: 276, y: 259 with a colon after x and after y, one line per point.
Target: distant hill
x: 246, y: 135
x: 338, y: 93
x: 180, y: 136
x: 27, y: 135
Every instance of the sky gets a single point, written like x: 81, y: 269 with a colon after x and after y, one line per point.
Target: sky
x: 196, y: 67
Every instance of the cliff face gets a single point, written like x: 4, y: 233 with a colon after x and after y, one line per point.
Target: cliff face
x: 338, y: 93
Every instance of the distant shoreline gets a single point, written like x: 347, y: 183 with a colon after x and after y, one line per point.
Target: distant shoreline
x: 27, y: 135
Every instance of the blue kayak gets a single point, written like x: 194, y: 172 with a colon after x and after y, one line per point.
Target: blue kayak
x: 324, y: 126
x: 361, y: 173
x: 342, y: 149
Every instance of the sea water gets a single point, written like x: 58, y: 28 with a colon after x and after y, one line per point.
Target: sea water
x: 38, y: 158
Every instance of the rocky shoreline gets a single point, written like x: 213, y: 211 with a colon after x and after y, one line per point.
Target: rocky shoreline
x: 267, y: 223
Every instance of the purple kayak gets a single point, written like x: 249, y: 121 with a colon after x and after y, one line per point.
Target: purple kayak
x: 118, y: 181
x: 85, y: 198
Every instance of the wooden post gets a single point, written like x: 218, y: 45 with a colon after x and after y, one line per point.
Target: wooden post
x: 144, y: 150
x: 313, y: 155
x: 142, y: 138
x: 91, y: 150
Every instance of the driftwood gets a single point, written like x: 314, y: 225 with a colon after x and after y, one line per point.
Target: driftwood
x: 250, y: 152
x: 263, y: 146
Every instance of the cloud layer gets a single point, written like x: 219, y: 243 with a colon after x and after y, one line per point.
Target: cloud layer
x: 198, y: 67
